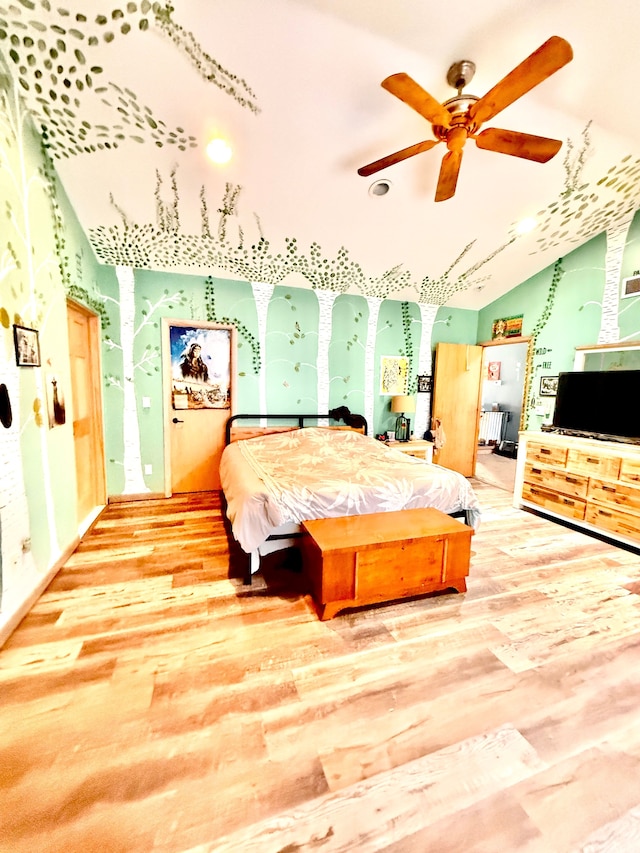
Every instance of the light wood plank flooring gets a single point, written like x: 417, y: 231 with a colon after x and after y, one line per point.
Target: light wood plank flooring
x: 150, y: 702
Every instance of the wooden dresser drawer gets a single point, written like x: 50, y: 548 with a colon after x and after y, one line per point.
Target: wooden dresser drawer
x: 554, y: 501
x: 547, y: 454
x: 614, y: 520
x: 615, y: 495
x: 587, y: 462
x: 630, y: 471
x: 558, y: 481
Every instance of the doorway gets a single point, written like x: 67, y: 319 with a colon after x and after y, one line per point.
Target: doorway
x: 199, y: 396
x: 86, y: 404
x: 502, y: 401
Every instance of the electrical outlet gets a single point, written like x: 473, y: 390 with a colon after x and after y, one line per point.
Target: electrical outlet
x: 148, y: 469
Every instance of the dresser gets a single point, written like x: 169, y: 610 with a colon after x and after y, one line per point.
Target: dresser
x: 418, y: 447
x: 593, y: 484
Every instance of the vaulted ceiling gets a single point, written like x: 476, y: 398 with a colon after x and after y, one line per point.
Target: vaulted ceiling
x: 129, y: 95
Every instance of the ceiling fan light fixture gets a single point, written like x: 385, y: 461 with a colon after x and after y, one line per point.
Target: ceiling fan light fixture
x: 379, y: 188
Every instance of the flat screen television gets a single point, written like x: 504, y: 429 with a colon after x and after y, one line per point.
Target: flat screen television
x: 601, y: 404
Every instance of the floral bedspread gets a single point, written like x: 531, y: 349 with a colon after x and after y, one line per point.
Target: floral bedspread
x: 320, y: 473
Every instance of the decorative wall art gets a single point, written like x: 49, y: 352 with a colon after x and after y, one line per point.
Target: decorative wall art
x: 548, y: 386
x: 394, y: 374
x: 200, y: 367
x: 507, y: 327
x: 55, y: 402
x: 425, y: 384
x: 493, y: 370
x: 6, y: 417
x: 27, y: 347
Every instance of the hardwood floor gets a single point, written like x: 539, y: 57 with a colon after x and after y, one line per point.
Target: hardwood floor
x: 150, y: 702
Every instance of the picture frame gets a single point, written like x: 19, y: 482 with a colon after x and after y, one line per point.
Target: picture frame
x: 200, y: 367
x: 493, y: 370
x: 548, y: 386
x: 394, y: 375
x: 424, y: 383
x: 507, y: 327
x: 27, y: 346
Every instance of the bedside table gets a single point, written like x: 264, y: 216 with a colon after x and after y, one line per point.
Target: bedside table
x: 418, y: 447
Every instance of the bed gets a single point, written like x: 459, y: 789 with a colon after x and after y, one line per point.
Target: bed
x: 273, y: 481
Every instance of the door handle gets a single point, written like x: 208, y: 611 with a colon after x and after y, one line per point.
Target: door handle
x: 177, y: 421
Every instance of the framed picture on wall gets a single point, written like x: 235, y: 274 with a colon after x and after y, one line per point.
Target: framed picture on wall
x: 493, y: 370
x: 394, y: 375
x: 425, y: 384
x: 200, y: 367
x: 27, y: 346
x: 548, y: 386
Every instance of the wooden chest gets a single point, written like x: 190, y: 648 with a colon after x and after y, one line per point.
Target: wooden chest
x: 357, y: 560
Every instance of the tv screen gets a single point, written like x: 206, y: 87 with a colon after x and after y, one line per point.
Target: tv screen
x: 602, y: 403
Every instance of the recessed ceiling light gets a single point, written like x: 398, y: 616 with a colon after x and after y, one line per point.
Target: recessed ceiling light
x: 526, y: 225
x: 219, y: 151
x: 380, y: 187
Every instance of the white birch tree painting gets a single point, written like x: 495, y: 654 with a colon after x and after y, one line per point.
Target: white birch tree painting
x: 262, y: 293
x: 423, y: 401
x: 134, y: 482
x: 616, y: 234
x: 20, y: 189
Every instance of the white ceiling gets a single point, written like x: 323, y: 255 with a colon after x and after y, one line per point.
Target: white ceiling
x: 314, y: 69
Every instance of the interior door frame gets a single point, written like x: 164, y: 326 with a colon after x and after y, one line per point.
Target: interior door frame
x: 526, y: 383
x: 97, y: 406
x: 167, y: 409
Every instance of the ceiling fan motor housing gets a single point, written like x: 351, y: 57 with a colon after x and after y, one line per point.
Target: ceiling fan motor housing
x: 459, y: 108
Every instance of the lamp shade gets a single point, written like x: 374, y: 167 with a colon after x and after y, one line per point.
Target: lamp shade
x: 404, y: 403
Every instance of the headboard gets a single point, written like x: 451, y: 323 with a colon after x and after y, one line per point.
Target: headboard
x: 233, y: 433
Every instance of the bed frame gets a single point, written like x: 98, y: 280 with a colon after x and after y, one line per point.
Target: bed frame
x: 235, y: 433
x: 289, y: 533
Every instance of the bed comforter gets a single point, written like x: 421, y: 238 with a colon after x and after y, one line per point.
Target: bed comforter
x: 291, y: 477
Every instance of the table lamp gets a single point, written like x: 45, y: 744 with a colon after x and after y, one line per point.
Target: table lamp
x: 402, y: 404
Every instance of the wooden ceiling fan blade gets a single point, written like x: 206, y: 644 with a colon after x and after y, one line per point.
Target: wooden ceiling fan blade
x: 448, y: 178
x: 407, y: 90
x: 542, y: 63
x: 392, y: 159
x: 538, y: 148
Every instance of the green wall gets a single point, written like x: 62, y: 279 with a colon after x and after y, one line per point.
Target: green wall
x: 320, y: 349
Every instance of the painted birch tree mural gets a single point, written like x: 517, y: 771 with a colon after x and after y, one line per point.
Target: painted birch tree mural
x: 134, y: 482
x: 262, y: 294
x: 21, y: 265
x: 616, y: 240
x: 425, y: 366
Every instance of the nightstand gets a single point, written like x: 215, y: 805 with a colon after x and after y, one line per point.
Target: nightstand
x: 418, y: 447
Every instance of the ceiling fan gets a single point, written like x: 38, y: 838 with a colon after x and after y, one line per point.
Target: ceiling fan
x: 460, y: 118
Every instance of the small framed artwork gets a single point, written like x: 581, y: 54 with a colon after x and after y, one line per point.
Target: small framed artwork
x: 394, y: 375
x: 27, y: 347
x: 493, y: 370
x: 507, y: 327
x: 548, y: 386
x: 425, y: 384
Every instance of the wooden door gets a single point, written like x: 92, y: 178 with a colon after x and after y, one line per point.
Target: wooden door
x: 456, y: 403
x: 194, y: 437
x: 86, y: 406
